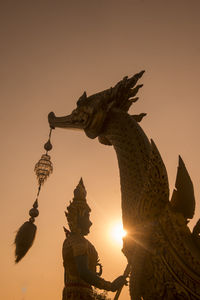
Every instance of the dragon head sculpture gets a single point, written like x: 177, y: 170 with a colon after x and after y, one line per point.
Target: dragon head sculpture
x: 91, y: 112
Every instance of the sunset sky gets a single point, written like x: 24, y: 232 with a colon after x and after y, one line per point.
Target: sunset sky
x: 50, y: 53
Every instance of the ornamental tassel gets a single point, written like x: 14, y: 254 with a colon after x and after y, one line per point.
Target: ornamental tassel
x: 26, y: 233
x: 24, y: 239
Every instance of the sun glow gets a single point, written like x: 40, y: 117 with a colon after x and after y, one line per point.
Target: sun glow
x: 117, y: 232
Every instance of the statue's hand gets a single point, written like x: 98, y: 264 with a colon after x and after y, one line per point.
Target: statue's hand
x: 118, y: 283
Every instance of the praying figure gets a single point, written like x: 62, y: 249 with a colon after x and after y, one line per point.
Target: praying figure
x: 80, y: 258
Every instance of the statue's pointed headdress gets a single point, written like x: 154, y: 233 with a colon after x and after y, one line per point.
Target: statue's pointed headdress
x: 77, y: 207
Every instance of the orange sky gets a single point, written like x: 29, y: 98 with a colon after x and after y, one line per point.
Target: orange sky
x: 51, y: 51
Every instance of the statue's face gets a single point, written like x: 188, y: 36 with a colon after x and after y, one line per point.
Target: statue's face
x: 85, y: 223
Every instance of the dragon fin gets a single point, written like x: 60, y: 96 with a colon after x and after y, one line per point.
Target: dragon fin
x: 183, y: 199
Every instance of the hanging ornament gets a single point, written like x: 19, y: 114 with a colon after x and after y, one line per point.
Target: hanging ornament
x: 26, y: 233
x: 43, y: 168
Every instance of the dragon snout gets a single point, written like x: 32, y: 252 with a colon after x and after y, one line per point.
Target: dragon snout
x: 77, y: 120
x: 51, y: 118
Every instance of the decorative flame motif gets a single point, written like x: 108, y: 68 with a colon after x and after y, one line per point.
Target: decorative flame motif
x: 43, y: 168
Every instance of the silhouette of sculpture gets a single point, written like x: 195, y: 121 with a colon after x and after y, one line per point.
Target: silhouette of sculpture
x: 80, y: 257
x: 164, y: 255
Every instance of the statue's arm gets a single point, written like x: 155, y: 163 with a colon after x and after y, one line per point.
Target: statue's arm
x: 93, y: 279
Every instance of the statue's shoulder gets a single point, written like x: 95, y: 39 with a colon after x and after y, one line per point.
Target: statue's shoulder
x: 91, y: 250
x: 89, y: 244
x: 76, y: 243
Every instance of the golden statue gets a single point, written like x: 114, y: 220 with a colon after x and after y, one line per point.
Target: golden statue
x: 163, y: 253
x: 80, y: 257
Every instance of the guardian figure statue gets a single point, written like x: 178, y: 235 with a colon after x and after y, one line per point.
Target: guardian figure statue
x: 80, y: 257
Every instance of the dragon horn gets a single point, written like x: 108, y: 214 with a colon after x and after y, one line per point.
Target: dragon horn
x: 134, y: 91
x: 128, y: 104
x: 133, y: 100
x: 138, y: 118
x: 82, y: 98
x: 133, y: 80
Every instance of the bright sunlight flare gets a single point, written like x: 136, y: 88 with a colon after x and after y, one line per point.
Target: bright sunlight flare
x: 117, y: 232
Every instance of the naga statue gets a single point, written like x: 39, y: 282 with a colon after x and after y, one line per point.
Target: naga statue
x: 163, y: 254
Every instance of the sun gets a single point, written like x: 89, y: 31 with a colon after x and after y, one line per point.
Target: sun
x: 117, y: 232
